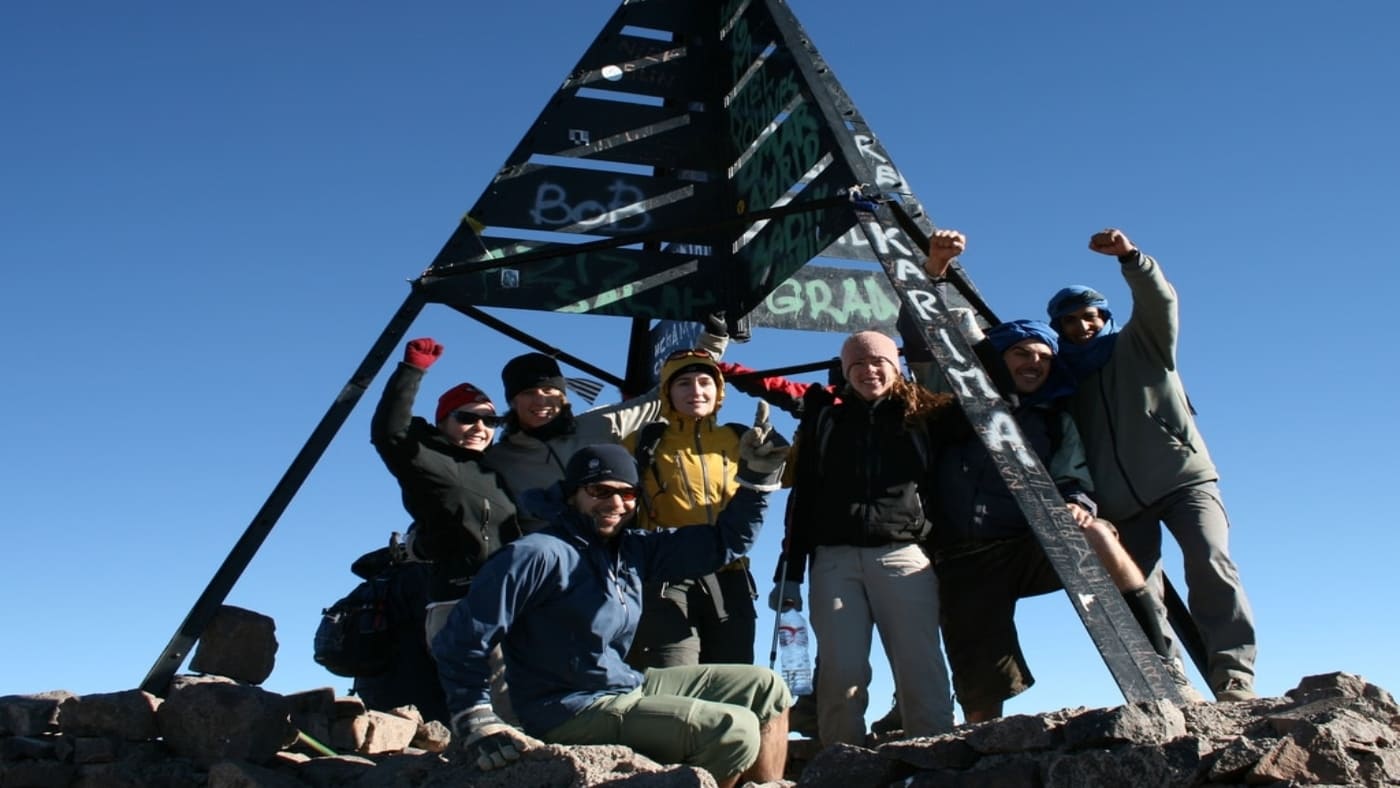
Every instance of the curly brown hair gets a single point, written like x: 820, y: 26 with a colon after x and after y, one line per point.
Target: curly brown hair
x: 920, y: 404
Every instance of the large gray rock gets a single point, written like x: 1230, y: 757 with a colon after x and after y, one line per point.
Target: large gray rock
x: 141, y: 765
x: 212, y: 722
x: 1155, y: 722
x: 349, y: 734
x: 942, y: 752
x: 1017, y: 733
x: 388, y: 733
x: 432, y: 736
x: 126, y: 716
x: 239, y: 644
x: 995, y: 771
x: 37, y: 774
x: 391, y: 771
x: 1233, y: 761
x: 234, y: 774
x: 27, y: 748
x: 31, y: 715
x: 845, y: 765
x: 312, y: 712
x: 554, y: 766
x: 333, y: 772
x: 1174, y: 764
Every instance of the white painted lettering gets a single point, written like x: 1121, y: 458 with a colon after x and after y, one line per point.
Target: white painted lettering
x: 1002, y: 433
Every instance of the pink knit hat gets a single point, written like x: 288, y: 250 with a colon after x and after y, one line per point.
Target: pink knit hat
x: 867, y: 344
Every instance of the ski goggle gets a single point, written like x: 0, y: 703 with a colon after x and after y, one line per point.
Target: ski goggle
x: 603, y: 492
x: 469, y: 418
x: 691, y: 353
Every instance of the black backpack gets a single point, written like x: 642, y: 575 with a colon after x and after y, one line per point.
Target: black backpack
x: 356, y: 636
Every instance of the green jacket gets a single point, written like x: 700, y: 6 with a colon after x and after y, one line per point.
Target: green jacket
x: 1138, y: 430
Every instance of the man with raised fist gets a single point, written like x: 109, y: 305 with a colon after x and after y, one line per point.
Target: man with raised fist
x: 1149, y: 462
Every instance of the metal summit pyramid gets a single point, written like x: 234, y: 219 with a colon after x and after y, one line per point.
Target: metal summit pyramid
x: 699, y: 156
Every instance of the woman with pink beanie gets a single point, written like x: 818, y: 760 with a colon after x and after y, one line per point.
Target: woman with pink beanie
x: 859, y: 514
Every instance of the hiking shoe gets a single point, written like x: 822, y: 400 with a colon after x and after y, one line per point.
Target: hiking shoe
x: 1177, y: 673
x: 1235, y: 689
x: 802, y: 717
x: 891, y: 722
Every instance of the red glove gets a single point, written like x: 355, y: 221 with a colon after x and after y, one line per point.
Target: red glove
x: 422, y: 353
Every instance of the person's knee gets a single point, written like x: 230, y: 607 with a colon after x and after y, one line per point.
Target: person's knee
x: 729, y: 742
x: 759, y: 689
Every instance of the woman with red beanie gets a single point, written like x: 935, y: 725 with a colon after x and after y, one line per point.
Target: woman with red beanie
x: 460, y: 509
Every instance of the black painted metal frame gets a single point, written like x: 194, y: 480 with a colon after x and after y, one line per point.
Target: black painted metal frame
x: 733, y: 174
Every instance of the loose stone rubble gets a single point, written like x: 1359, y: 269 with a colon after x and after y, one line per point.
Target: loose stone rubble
x: 215, y: 731
x: 1333, y: 729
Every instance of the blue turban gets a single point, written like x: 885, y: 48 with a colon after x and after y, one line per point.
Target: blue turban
x: 1083, y: 360
x: 1007, y: 334
x: 1074, y: 298
x: 1058, y: 383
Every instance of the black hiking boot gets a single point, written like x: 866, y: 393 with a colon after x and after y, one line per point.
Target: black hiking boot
x: 802, y: 717
x: 891, y: 722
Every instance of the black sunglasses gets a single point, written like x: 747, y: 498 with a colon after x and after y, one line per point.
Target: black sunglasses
x: 603, y: 492
x: 469, y: 418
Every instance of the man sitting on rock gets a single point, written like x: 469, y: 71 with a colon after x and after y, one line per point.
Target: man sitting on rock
x: 563, y: 603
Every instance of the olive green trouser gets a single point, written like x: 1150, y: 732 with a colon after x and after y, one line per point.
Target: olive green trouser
x: 704, y: 715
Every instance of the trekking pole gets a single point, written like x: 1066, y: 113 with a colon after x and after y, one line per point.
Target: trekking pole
x: 778, y: 614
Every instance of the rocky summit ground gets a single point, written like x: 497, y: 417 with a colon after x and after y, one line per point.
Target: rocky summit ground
x: 1333, y: 729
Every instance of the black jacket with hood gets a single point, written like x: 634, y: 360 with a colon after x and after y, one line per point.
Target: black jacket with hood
x: 461, y: 511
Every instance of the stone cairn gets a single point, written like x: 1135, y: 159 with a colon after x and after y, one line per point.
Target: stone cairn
x: 223, y: 731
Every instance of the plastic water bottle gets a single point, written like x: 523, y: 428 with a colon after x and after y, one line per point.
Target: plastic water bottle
x: 792, y: 650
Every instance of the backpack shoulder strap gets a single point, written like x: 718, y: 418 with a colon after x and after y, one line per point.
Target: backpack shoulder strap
x: 648, y: 439
x: 921, y: 448
x: 823, y: 428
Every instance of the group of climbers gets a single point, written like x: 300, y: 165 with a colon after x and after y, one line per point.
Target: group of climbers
x: 588, y: 581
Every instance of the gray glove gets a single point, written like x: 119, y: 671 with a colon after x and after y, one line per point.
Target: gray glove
x: 487, y: 740
x: 762, y: 454
x: 785, y: 595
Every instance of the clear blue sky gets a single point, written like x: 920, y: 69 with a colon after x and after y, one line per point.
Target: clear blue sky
x: 208, y: 213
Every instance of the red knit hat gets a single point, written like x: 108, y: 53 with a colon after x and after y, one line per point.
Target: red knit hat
x: 459, y: 395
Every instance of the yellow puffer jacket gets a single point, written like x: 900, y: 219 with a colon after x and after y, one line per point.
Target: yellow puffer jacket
x: 692, y: 475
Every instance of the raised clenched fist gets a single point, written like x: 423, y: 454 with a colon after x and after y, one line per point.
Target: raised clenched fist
x: 943, y: 246
x: 1111, y: 241
x: 422, y: 352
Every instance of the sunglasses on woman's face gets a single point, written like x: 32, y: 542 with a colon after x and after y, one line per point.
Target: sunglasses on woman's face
x: 469, y: 418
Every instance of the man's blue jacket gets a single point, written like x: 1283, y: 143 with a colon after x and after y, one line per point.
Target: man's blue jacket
x: 563, y: 604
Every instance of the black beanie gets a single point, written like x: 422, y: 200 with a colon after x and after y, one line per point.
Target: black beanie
x: 603, y: 462
x: 532, y: 370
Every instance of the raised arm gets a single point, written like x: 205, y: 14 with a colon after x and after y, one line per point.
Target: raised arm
x: 944, y: 246
x: 388, y: 427
x: 776, y: 390
x: 1154, y: 323
x: 626, y: 417
x: 676, y: 554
